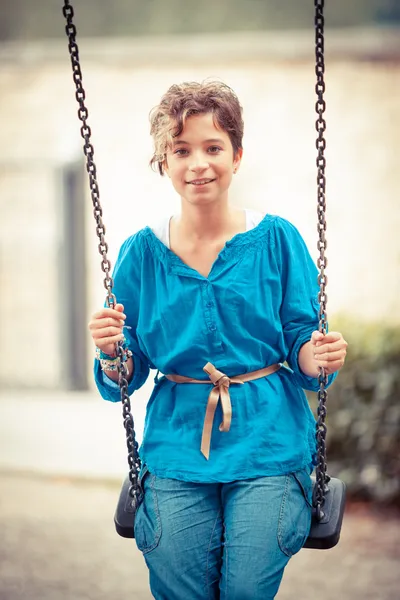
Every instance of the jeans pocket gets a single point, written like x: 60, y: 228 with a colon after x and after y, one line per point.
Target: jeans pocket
x: 295, y: 514
x: 304, y: 480
x: 147, y: 518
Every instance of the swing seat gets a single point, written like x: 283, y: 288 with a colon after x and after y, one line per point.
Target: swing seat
x: 325, y: 534
x: 124, y: 517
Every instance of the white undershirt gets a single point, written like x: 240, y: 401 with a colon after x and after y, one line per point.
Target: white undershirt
x: 161, y: 229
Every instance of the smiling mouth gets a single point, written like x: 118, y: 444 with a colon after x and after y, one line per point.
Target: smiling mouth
x: 200, y: 182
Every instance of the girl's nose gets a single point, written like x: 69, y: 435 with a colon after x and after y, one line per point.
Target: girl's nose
x: 198, y: 163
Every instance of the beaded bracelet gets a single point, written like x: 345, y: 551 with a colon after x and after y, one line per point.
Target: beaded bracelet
x: 111, y: 363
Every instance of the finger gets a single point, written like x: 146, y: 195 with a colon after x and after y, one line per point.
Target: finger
x: 106, y: 322
x: 333, y: 347
x: 316, y: 336
x: 332, y: 336
x: 331, y: 366
x: 330, y: 356
x: 329, y: 370
x: 109, y: 312
x: 100, y: 334
x: 106, y: 341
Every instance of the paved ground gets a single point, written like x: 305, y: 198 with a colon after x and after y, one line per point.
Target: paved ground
x: 57, y: 539
x: 58, y: 543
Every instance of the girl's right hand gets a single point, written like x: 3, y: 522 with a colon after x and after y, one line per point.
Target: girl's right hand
x: 106, y: 326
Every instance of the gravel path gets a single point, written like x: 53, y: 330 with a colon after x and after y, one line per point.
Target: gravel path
x: 58, y: 543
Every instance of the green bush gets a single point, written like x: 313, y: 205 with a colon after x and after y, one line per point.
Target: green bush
x: 363, y: 440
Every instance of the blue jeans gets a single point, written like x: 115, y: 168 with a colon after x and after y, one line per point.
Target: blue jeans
x: 222, y: 541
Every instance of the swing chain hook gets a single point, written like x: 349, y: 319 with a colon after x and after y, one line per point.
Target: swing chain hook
x: 132, y: 445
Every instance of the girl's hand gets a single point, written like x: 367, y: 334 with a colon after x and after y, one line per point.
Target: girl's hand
x: 329, y: 350
x: 106, y: 326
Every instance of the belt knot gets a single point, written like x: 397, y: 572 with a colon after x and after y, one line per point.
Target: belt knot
x: 220, y: 391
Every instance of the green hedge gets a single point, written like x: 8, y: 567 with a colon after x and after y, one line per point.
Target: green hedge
x: 363, y: 441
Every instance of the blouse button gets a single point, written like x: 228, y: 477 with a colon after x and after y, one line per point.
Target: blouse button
x: 210, y: 304
x: 213, y: 328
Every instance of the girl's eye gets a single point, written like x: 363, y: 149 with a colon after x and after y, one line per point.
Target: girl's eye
x: 185, y: 151
x: 181, y: 151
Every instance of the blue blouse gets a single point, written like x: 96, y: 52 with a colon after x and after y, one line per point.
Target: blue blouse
x: 257, y: 307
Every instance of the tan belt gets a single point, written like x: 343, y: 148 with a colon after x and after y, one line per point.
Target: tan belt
x: 220, y: 390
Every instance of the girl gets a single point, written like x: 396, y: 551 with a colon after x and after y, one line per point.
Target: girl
x: 217, y: 299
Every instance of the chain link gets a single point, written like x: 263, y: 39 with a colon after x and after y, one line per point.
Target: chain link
x: 132, y: 445
x: 322, y: 477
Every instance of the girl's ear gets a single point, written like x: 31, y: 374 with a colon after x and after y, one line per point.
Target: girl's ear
x: 237, y: 160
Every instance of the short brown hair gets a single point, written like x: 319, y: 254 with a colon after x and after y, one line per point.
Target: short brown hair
x: 186, y: 99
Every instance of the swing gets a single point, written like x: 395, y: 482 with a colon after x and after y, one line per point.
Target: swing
x: 328, y: 493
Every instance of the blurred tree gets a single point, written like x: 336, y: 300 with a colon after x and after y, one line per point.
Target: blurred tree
x: 43, y: 18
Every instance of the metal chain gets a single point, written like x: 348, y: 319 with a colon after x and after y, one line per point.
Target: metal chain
x: 132, y: 445
x: 321, y: 470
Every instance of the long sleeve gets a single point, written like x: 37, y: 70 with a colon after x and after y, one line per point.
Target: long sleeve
x: 299, y: 308
x: 126, y: 276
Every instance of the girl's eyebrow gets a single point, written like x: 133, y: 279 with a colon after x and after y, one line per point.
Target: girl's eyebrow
x: 210, y: 141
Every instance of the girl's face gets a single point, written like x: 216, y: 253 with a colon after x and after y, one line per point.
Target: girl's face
x: 200, y: 162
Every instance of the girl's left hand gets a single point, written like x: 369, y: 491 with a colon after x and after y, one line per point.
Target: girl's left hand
x: 329, y: 350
